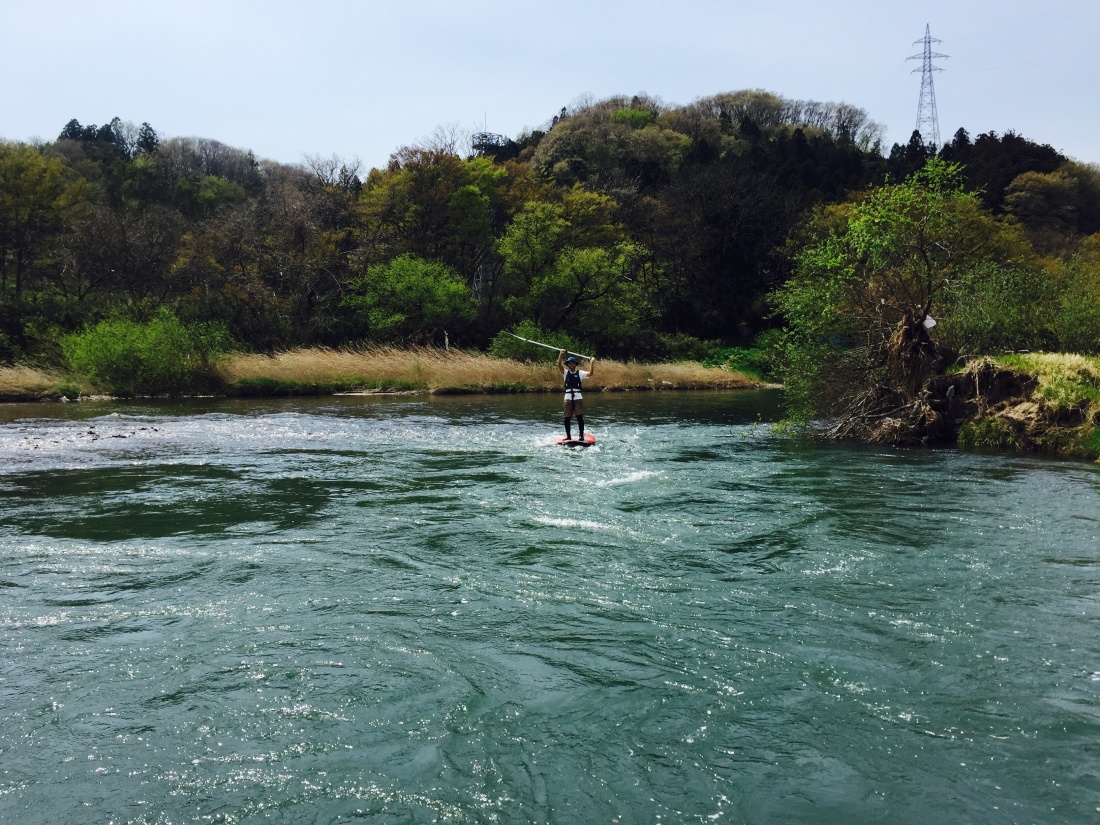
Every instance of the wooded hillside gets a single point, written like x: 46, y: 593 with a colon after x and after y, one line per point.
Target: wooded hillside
x: 641, y: 229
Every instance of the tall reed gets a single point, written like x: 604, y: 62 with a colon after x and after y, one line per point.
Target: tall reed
x: 438, y: 370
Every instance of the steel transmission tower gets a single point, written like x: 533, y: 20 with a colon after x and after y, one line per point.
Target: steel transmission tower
x: 928, y: 121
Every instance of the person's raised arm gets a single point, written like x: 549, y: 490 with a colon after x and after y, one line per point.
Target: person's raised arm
x: 561, y: 355
x: 591, y: 366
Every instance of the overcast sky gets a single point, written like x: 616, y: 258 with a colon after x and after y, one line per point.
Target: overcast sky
x: 359, y: 79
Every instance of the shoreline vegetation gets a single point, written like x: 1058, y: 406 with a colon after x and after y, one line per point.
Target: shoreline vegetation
x: 383, y: 369
x: 743, y: 238
x: 1042, y: 403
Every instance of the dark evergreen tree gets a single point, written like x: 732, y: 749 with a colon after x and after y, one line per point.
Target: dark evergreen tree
x: 147, y: 140
x: 991, y: 163
x: 906, y: 160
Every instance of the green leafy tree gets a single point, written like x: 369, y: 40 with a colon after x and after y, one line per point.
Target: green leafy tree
x: 432, y: 204
x: 860, y: 351
x: 1057, y: 207
x: 570, y: 267
x: 532, y: 242
x: 411, y: 299
x: 614, y: 143
x: 634, y: 118
x: 38, y: 201
x: 587, y: 289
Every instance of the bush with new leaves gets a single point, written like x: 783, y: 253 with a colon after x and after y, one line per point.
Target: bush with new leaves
x: 163, y: 355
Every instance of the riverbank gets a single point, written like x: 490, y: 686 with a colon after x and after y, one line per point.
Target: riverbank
x: 19, y: 383
x: 1040, y: 403
x: 1046, y: 403
x: 322, y: 371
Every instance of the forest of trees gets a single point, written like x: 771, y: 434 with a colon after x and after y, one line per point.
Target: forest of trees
x: 642, y: 229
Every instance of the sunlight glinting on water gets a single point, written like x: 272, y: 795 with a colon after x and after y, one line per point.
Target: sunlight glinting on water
x: 424, y: 610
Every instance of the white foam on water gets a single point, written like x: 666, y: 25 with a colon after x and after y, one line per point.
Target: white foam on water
x: 630, y: 478
x: 573, y: 524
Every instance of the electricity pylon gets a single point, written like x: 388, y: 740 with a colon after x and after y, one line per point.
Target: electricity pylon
x: 928, y: 121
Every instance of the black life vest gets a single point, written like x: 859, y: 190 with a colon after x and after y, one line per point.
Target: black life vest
x: 572, y: 381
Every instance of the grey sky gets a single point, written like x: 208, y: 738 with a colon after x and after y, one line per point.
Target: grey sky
x: 287, y: 79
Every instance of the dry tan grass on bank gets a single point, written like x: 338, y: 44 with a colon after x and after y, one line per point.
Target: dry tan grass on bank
x: 26, y: 382
x: 437, y: 370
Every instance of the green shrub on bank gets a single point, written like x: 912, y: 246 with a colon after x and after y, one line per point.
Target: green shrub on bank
x: 1077, y: 318
x: 1090, y: 444
x: 763, y: 359
x: 988, y: 433
x: 1066, y: 380
x: 162, y: 355
x: 998, y: 308
x: 1064, y: 393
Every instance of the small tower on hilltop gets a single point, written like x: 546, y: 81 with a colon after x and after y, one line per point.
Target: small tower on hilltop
x: 928, y: 120
x: 486, y: 142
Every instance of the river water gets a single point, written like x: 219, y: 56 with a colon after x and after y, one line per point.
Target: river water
x: 408, y: 609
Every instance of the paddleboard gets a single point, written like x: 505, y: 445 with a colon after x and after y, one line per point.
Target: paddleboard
x: 588, y: 441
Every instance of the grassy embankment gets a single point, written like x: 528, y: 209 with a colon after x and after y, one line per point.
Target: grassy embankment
x: 382, y: 369
x: 319, y: 371
x: 1052, y: 406
x: 1046, y: 403
x: 27, y: 384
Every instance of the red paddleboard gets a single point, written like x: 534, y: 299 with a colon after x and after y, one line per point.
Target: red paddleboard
x: 587, y: 441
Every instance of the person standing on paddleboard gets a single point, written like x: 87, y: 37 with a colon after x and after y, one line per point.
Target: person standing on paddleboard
x: 574, y: 401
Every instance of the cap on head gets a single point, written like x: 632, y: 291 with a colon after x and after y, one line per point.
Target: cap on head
x: 571, y: 360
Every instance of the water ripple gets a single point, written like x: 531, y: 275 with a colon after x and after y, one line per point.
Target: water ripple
x: 327, y: 608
